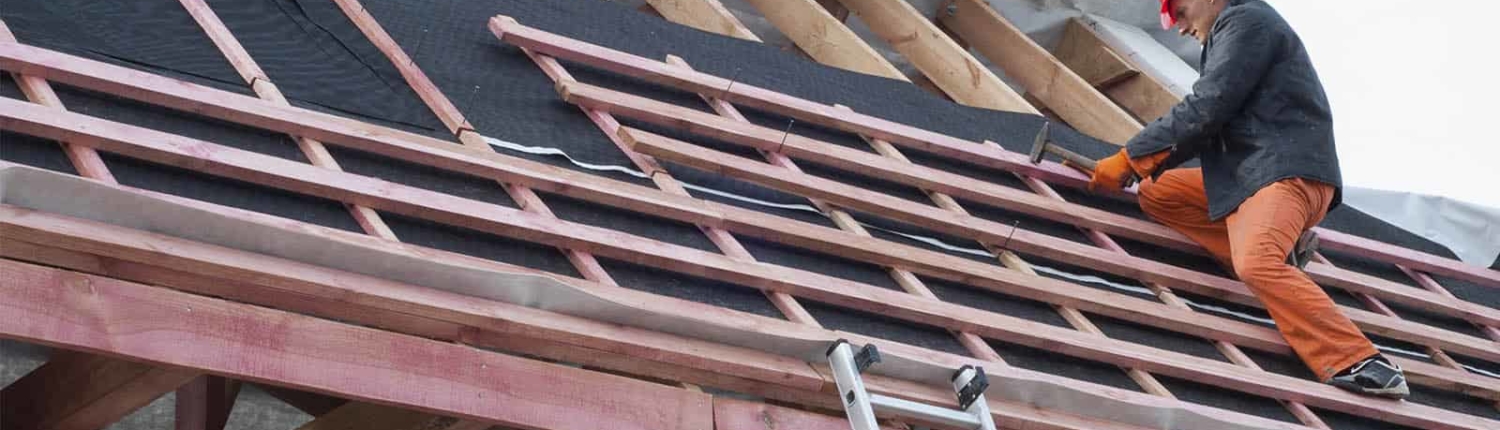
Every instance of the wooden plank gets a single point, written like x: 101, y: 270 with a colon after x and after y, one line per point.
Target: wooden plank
x: 1063, y: 91
x: 445, y: 109
x: 310, y: 403
x: 171, y: 149
x: 706, y: 15
x: 821, y: 33
x: 1386, y: 330
x: 510, y: 340
x: 205, y: 403
x: 726, y: 242
x: 981, y: 229
x: 516, y: 334
x: 1085, y: 55
x: 1141, y: 94
x: 510, y: 31
x: 81, y: 391
x: 949, y: 66
x: 262, y: 86
x: 369, y: 416
x: 84, y: 159
x: 898, y: 305
x: 903, y: 278
x: 766, y: 139
x: 201, y: 268
x: 837, y: 156
x: 133, y: 320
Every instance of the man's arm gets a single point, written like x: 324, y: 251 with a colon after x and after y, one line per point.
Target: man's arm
x: 1244, y: 47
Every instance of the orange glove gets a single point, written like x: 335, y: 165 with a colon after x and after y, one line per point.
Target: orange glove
x: 1111, y: 173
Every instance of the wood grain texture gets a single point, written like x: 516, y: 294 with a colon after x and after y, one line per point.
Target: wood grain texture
x: 947, y: 64
x: 1043, y: 76
x: 205, y: 403
x: 541, y: 336
x: 438, y: 207
x: 133, y: 320
x: 706, y: 15
x: 822, y: 34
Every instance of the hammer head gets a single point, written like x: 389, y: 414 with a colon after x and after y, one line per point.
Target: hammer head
x: 1039, y: 145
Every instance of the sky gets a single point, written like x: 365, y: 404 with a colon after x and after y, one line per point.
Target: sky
x: 1414, y: 88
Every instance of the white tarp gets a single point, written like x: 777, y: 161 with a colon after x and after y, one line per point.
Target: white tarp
x: 1471, y: 231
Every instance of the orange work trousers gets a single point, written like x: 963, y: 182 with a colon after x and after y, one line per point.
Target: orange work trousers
x: 1254, y: 241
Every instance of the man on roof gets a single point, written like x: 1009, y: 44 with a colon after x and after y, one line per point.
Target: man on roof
x: 1260, y: 125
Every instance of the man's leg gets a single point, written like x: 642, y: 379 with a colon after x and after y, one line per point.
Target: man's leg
x: 1177, y: 200
x: 1261, y: 233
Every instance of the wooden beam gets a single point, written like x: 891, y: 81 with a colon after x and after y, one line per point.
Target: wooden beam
x: 692, y: 212
x: 574, y: 185
x: 949, y: 66
x: 309, y: 403
x: 726, y: 242
x: 902, y: 277
x: 831, y: 290
x: 240, y: 59
x: 1087, y: 56
x: 1063, y: 91
x: 510, y: 31
x: 820, y: 33
x: 84, y: 159
x: 444, y: 108
x: 706, y: 15
x: 766, y: 139
x: 78, y: 390
x: 1020, y: 240
x: 77, y: 311
x: 823, y: 153
x: 205, y: 403
x: 1139, y: 93
x: 369, y: 416
x: 521, y: 324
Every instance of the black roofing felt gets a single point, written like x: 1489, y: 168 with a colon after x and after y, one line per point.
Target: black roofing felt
x: 321, y: 61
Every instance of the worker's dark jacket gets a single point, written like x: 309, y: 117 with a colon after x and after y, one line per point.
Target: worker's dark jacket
x: 1256, y: 116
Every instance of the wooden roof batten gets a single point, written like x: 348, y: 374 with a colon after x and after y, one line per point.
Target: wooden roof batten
x: 465, y: 134
x: 303, y: 176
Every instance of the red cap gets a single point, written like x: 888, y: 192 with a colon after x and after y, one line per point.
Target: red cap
x: 1167, y: 18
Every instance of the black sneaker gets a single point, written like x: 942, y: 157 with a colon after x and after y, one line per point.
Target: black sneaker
x: 1375, y: 376
x: 1307, y: 244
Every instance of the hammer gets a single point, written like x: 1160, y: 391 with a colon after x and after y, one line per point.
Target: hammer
x: 1042, y: 145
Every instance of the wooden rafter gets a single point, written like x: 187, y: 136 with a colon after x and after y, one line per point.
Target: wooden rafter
x: 78, y: 390
x: 128, y: 319
x: 706, y: 15
x: 939, y: 58
x: 1043, y: 76
x: 823, y: 36
x: 205, y: 402
x: 1141, y: 94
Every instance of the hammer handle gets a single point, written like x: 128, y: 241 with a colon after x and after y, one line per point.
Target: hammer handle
x: 1085, y: 162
